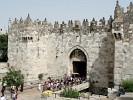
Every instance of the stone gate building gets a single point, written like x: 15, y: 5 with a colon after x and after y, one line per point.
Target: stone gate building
x: 101, y: 50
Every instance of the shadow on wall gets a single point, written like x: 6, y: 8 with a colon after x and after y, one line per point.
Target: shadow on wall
x: 102, y: 75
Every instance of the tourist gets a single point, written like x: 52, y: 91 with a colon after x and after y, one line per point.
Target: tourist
x: 3, y: 97
x: 4, y: 83
x: 45, y: 86
x: 3, y: 90
x: 39, y: 86
x: 0, y: 84
x: 31, y: 85
x: 59, y: 84
x: 14, y: 95
x: 12, y: 90
x: 16, y: 92
x: 121, y: 91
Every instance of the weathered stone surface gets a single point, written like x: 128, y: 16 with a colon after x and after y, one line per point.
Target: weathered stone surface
x: 39, y: 47
x: 3, y: 69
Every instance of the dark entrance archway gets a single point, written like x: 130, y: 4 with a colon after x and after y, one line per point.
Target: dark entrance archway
x: 79, y: 62
x: 79, y: 67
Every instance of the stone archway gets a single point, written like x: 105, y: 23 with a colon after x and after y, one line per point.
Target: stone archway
x: 78, y: 62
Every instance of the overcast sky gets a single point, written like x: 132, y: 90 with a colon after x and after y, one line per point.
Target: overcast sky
x: 57, y: 10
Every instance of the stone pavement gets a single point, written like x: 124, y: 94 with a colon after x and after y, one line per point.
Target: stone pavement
x: 34, y: 94
x: 127, y: 96
x: 31, y: 94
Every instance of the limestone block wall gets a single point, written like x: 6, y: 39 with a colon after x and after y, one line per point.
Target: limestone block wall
x: 123, y: 61
x: 49, y: 53
x: 12, y: 49
x: 3, y: 69
x: 94, y: 45
x: 119, y: 59
x: 128, y: 61
x: 36, y: 59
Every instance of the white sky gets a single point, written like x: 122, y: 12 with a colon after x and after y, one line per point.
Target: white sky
x: 57, y: 10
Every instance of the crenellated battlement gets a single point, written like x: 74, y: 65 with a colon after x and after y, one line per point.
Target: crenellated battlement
x: 121, y: 25
x: 72, y: 26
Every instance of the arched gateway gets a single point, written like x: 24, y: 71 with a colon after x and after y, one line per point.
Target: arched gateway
x: 78, y: 62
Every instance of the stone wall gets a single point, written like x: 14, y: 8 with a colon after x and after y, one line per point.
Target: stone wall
x: 39, y: 47
x: 50, y: 54
x: 3, y: 69
x: 123, y: 63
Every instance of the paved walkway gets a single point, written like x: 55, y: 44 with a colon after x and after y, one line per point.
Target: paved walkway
x: 31, y: 94
x: 127, y: 96
x: 34, y: 94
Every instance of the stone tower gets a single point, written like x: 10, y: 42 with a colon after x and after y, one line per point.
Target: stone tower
x: 99, y: 50
x: 122, y: 31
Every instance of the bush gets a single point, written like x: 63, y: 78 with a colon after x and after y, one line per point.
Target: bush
x: 70, y: 93
x: 40, y: 76
x: 128, y: 85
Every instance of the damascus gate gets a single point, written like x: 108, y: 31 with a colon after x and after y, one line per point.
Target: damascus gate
x: 97, y: 50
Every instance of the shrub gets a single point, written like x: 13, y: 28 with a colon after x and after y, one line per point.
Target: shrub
x: 40, y: 76
x: 70, y: 93
x: 128, y: 85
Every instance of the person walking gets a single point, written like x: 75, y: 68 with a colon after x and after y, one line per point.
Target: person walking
x: 3, y: 90
x: 31, y: 85
x: 4, y: 83
x: 39, y: 86
x: 11, y: 90
x: 14, y: 95
x: 0, y: 86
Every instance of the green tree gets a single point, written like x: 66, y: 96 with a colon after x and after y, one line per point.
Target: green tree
x: 14, y: 77
x: 3, y: 47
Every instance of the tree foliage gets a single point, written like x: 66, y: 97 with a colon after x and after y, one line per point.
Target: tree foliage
x: 14, y: 77
x: 3, y: 47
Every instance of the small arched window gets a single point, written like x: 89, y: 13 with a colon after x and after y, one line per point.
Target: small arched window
x: 119, y: 34
x: 115, y: 35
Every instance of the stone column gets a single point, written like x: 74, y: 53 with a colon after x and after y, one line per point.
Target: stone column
x: 118, y: 63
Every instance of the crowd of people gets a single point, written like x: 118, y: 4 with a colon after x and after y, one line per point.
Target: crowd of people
x: 13, y: 91
x: 49, y: 84
x: 59, y: 84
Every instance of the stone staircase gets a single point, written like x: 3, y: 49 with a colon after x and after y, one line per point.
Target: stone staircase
x: 79, y: 87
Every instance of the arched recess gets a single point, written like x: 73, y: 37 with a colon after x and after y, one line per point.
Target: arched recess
x: 78, y: 61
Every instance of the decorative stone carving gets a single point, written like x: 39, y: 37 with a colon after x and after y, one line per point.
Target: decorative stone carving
x: 28, y: 21
x: 45, y: 22
x: 93, y: 26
